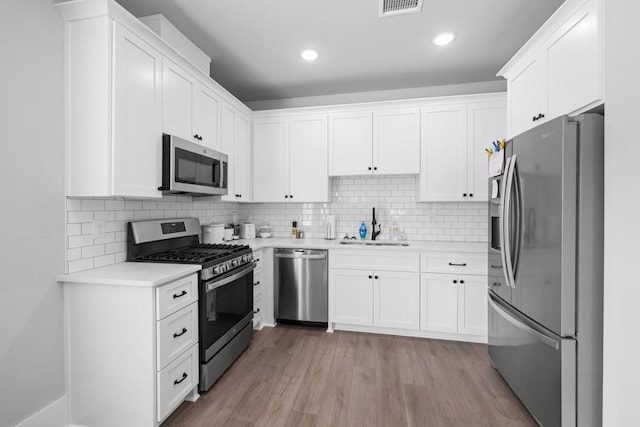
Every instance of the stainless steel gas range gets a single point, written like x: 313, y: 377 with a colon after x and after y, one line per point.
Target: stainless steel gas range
x: 225, y: 286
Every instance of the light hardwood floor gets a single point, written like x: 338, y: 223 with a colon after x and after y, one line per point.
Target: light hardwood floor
x: 301, y: 376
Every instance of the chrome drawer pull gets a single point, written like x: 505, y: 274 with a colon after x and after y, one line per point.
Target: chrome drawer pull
x: 453, y: 264
x: 179, y: 295
x: 184, y: 377
x: 179, y: 334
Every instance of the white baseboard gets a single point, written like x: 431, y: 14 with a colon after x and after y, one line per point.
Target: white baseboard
x: 52, y: 415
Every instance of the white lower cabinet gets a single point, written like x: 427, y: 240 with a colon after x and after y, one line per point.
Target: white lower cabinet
x: 362, y: 295
x: 132, y: 350
x: 439, y: 301
x: 452, y: 302
x: 396, y: 297
x: 353, y: 297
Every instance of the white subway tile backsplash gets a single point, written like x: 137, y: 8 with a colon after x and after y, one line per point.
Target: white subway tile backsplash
x: 74, y: 217
x: 352, y: 200
x: 92, y: 205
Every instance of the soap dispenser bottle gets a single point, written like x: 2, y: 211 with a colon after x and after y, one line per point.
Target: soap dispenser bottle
x: 363, y: 230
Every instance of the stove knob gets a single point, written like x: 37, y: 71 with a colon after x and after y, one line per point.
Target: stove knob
x: 234, y: 263
x: 216, y: 270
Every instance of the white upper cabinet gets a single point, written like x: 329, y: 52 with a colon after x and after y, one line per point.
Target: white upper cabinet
x: 206, y: 117
x: 178, y: 91
x: 444, y: 153
x: 290, y: 159
x: 236, y: 143
x: 486, y: 122
x: 527, y: 96
x: 378, y: 142
x: 350, y: 136
x: 574, y: 62
x: 308, y: 178
x: 454, y: 165
x: 136, y: 143
x: 114, y: 111
x: 396, y: 141
x: 190, y: 110
x: 271, y: 159
x: 559, y: 70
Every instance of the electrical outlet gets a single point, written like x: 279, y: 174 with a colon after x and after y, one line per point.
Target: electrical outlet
x: 99, y: 228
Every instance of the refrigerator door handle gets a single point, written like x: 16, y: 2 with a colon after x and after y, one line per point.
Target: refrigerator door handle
x: 524, y: 327
x: 503, y: 222
x: 519, y: 231
x: 506, y: 218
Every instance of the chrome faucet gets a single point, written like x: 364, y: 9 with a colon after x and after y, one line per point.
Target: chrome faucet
x: 375, y: 230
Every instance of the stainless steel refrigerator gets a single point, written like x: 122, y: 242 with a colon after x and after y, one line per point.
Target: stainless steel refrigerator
x: 546, y: 270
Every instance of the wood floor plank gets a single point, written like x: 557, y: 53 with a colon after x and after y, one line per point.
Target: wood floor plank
x: 300, y: 376
x: 313, y: 387
x: 334, y: 407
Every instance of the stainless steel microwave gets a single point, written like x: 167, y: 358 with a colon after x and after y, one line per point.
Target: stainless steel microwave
x: 189, y: 168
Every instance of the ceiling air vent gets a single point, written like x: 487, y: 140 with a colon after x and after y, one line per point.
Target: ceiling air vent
x: 399, y: 7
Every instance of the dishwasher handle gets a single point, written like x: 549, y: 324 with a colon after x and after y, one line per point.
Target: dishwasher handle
x: 300, y: 255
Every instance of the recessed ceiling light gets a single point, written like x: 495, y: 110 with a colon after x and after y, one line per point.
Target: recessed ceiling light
x: 444, y: 39
x: 309, y: 55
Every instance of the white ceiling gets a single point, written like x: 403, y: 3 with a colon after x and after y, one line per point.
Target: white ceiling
x: 255, y: 44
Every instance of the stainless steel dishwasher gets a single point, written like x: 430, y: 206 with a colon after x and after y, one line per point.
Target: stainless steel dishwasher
x: 301, y: 285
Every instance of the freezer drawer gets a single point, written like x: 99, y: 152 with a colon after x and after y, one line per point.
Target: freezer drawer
x: 539, y: 366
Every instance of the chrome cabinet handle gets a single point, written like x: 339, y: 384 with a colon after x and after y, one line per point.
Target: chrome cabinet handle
x: 181, y: 333
x: 256, y: 311
x: 464, y: 264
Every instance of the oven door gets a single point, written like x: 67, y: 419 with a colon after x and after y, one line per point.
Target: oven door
x: 226, y: 306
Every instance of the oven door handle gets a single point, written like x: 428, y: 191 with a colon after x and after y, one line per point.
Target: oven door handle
x: 217, y: 283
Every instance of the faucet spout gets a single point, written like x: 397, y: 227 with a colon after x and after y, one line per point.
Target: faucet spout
x: 375, y: 230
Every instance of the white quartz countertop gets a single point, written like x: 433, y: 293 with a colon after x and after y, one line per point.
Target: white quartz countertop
x: 414, y: 246
x: 144, y: 274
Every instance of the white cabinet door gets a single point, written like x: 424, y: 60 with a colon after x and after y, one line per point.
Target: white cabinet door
x: 350, y: 136
x: 487, y: 122
x: 309, y: 179
x: 353, y: 296
x: 227, y: 146
x: 472, y: 305
x: 443, y: 168
x: 206, y: 117
x: 137, y: 116
x: 242, y: 154
x: 396, y: 300
x: 527, y: 96
x: 439, y: 305
x: 396, y: 141
x: 178, y: 91
x: 574, y: 62
x: 271, y: 160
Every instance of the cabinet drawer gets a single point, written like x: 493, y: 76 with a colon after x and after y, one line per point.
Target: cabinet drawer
x: 257, y: 257
x: 176, y: 333
x: 176, y: 295
x: 454, y: 263
x: 257, y: 278
x: 374, y: 260
x: 176, y: 381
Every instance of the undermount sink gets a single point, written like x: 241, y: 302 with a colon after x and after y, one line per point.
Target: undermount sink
x: 372, y: 243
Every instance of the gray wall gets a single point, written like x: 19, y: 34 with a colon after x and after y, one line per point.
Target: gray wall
x: 32, y: 211
x: 622, y: 215
x: 381, y: 95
